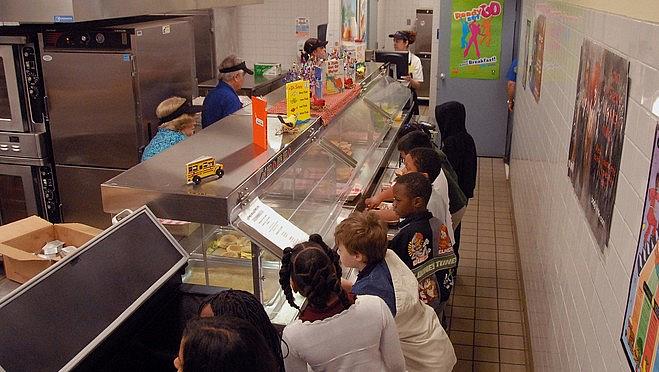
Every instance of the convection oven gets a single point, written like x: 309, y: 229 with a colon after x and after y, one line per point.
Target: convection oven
x: 27, y: 184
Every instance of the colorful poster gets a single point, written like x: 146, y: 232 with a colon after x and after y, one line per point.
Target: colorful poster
x: 639, y: 330
x: 537, y: 57
x: 362, y: 21
x: 598, y: 131
x: 476, y: 39
x: 348, y: 20
x: 525, y: 66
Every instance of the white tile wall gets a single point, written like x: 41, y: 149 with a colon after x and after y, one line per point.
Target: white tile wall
x: 576, y: 294
x: 266, y: 32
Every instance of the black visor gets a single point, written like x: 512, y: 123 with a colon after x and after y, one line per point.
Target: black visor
x: 238, y: 67
x: 186, y: 108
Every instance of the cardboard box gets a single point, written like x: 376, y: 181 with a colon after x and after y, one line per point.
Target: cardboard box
x: 21, y: 239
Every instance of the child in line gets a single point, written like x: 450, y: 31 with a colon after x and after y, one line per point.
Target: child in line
x: 246, y: 306
x: 223, y: 344
x: 362, y: 244
x: 317, y: 339
x: 457, y: 198
x: 420, y: 242
x: 429, y: 163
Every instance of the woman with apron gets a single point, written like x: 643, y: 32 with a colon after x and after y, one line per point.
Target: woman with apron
x: 402, y: 42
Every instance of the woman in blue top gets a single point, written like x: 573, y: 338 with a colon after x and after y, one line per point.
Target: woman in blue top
x: 177, y: 122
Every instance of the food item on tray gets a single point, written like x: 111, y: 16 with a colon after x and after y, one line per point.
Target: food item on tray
x: 343, y: 174
x: 317, y: 103
x: 230, y: 245
x: 345, y: 147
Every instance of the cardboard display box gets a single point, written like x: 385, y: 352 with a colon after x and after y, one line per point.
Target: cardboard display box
x: 21, y: 239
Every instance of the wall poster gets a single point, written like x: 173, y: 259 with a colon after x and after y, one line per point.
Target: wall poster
x: 476, y: 39
x: 639, y: 330
x: 535, y: 69
x: 598, y: 130
x: 354, y: 20
x: 525, y: 66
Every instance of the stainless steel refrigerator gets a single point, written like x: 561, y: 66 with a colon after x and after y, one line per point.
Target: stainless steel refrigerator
x: 102, y: 88
x: 422, y: 48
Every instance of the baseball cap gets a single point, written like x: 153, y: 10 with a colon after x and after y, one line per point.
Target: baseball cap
x: 400, y: 35
x: 312, y: 44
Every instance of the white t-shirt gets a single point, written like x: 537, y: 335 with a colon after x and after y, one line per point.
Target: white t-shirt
x: 362, y: 338
x: 415, y: 67
x: 438, y: 204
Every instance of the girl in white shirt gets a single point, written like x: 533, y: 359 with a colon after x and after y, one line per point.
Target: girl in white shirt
x: 402, y: 42
x: 335, y: 331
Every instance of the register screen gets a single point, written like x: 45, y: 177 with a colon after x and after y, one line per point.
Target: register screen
x: 51, y: 322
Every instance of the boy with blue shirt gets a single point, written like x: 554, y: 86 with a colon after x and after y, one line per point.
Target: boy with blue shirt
x: 362, y: 244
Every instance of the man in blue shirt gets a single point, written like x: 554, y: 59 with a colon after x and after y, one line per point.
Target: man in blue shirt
x: 511, y: 76
x: 223, y: 100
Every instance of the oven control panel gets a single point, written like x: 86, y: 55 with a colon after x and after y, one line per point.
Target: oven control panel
x: 32, y: 82
x: 49, y: 195
x: 22, y: 145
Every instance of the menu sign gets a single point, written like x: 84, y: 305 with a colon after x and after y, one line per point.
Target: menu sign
x: 271, y: 225
x: 298, y: 100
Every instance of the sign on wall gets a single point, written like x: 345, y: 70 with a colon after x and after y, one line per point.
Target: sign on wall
x: 476, y: 39
x: 639, y: 330
x: 598, y: 130
x: 537, y: 57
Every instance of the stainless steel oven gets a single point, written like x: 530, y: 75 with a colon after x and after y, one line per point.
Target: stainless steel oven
x: 21, y: 92
x: 27, y: 182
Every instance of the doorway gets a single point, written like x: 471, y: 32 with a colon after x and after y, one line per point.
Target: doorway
x: 484, y: 100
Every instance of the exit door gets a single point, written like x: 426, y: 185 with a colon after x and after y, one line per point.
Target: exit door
x: 484, y: 100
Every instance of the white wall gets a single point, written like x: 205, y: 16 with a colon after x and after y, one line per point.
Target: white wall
x: 576, y: 295
x: 265, y: 32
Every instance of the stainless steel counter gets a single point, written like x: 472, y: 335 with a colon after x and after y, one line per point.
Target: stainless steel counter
x: 160, y: 182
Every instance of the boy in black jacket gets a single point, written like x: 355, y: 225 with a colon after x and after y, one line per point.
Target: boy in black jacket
x: 422, y: 242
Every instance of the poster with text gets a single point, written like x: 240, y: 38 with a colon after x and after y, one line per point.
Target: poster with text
x: 525, y: 66
x: 537, y: 57
x: 639, y: 330
x: 476, y: 39
x: 598, y: 131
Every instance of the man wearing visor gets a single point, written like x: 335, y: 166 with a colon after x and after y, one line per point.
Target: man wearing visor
x: 223, y: 100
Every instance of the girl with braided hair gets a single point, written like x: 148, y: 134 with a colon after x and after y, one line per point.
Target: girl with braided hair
x: 318, y: 338
x: 246, y: 306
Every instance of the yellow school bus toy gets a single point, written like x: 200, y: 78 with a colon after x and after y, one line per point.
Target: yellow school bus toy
x: 201, y: 168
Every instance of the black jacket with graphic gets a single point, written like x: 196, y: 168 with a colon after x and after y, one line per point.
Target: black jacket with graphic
x: 425, y: 251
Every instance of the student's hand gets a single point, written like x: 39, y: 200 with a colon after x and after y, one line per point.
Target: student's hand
x: 407, y: 78
x: 372, y: 202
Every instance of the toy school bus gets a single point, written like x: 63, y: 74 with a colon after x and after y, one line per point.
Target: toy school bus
x: 202, y: 168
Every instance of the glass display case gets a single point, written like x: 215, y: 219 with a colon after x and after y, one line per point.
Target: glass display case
x: 310, y: 180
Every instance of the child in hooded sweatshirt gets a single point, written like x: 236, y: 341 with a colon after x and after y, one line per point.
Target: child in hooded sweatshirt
x: 362, y: 244
x: 460, y: 149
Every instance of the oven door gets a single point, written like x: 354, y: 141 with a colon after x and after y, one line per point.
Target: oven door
x: 11, y: 115
x: 18, y: 196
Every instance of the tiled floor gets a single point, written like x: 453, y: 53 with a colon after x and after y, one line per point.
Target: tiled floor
x: 486, y: 316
